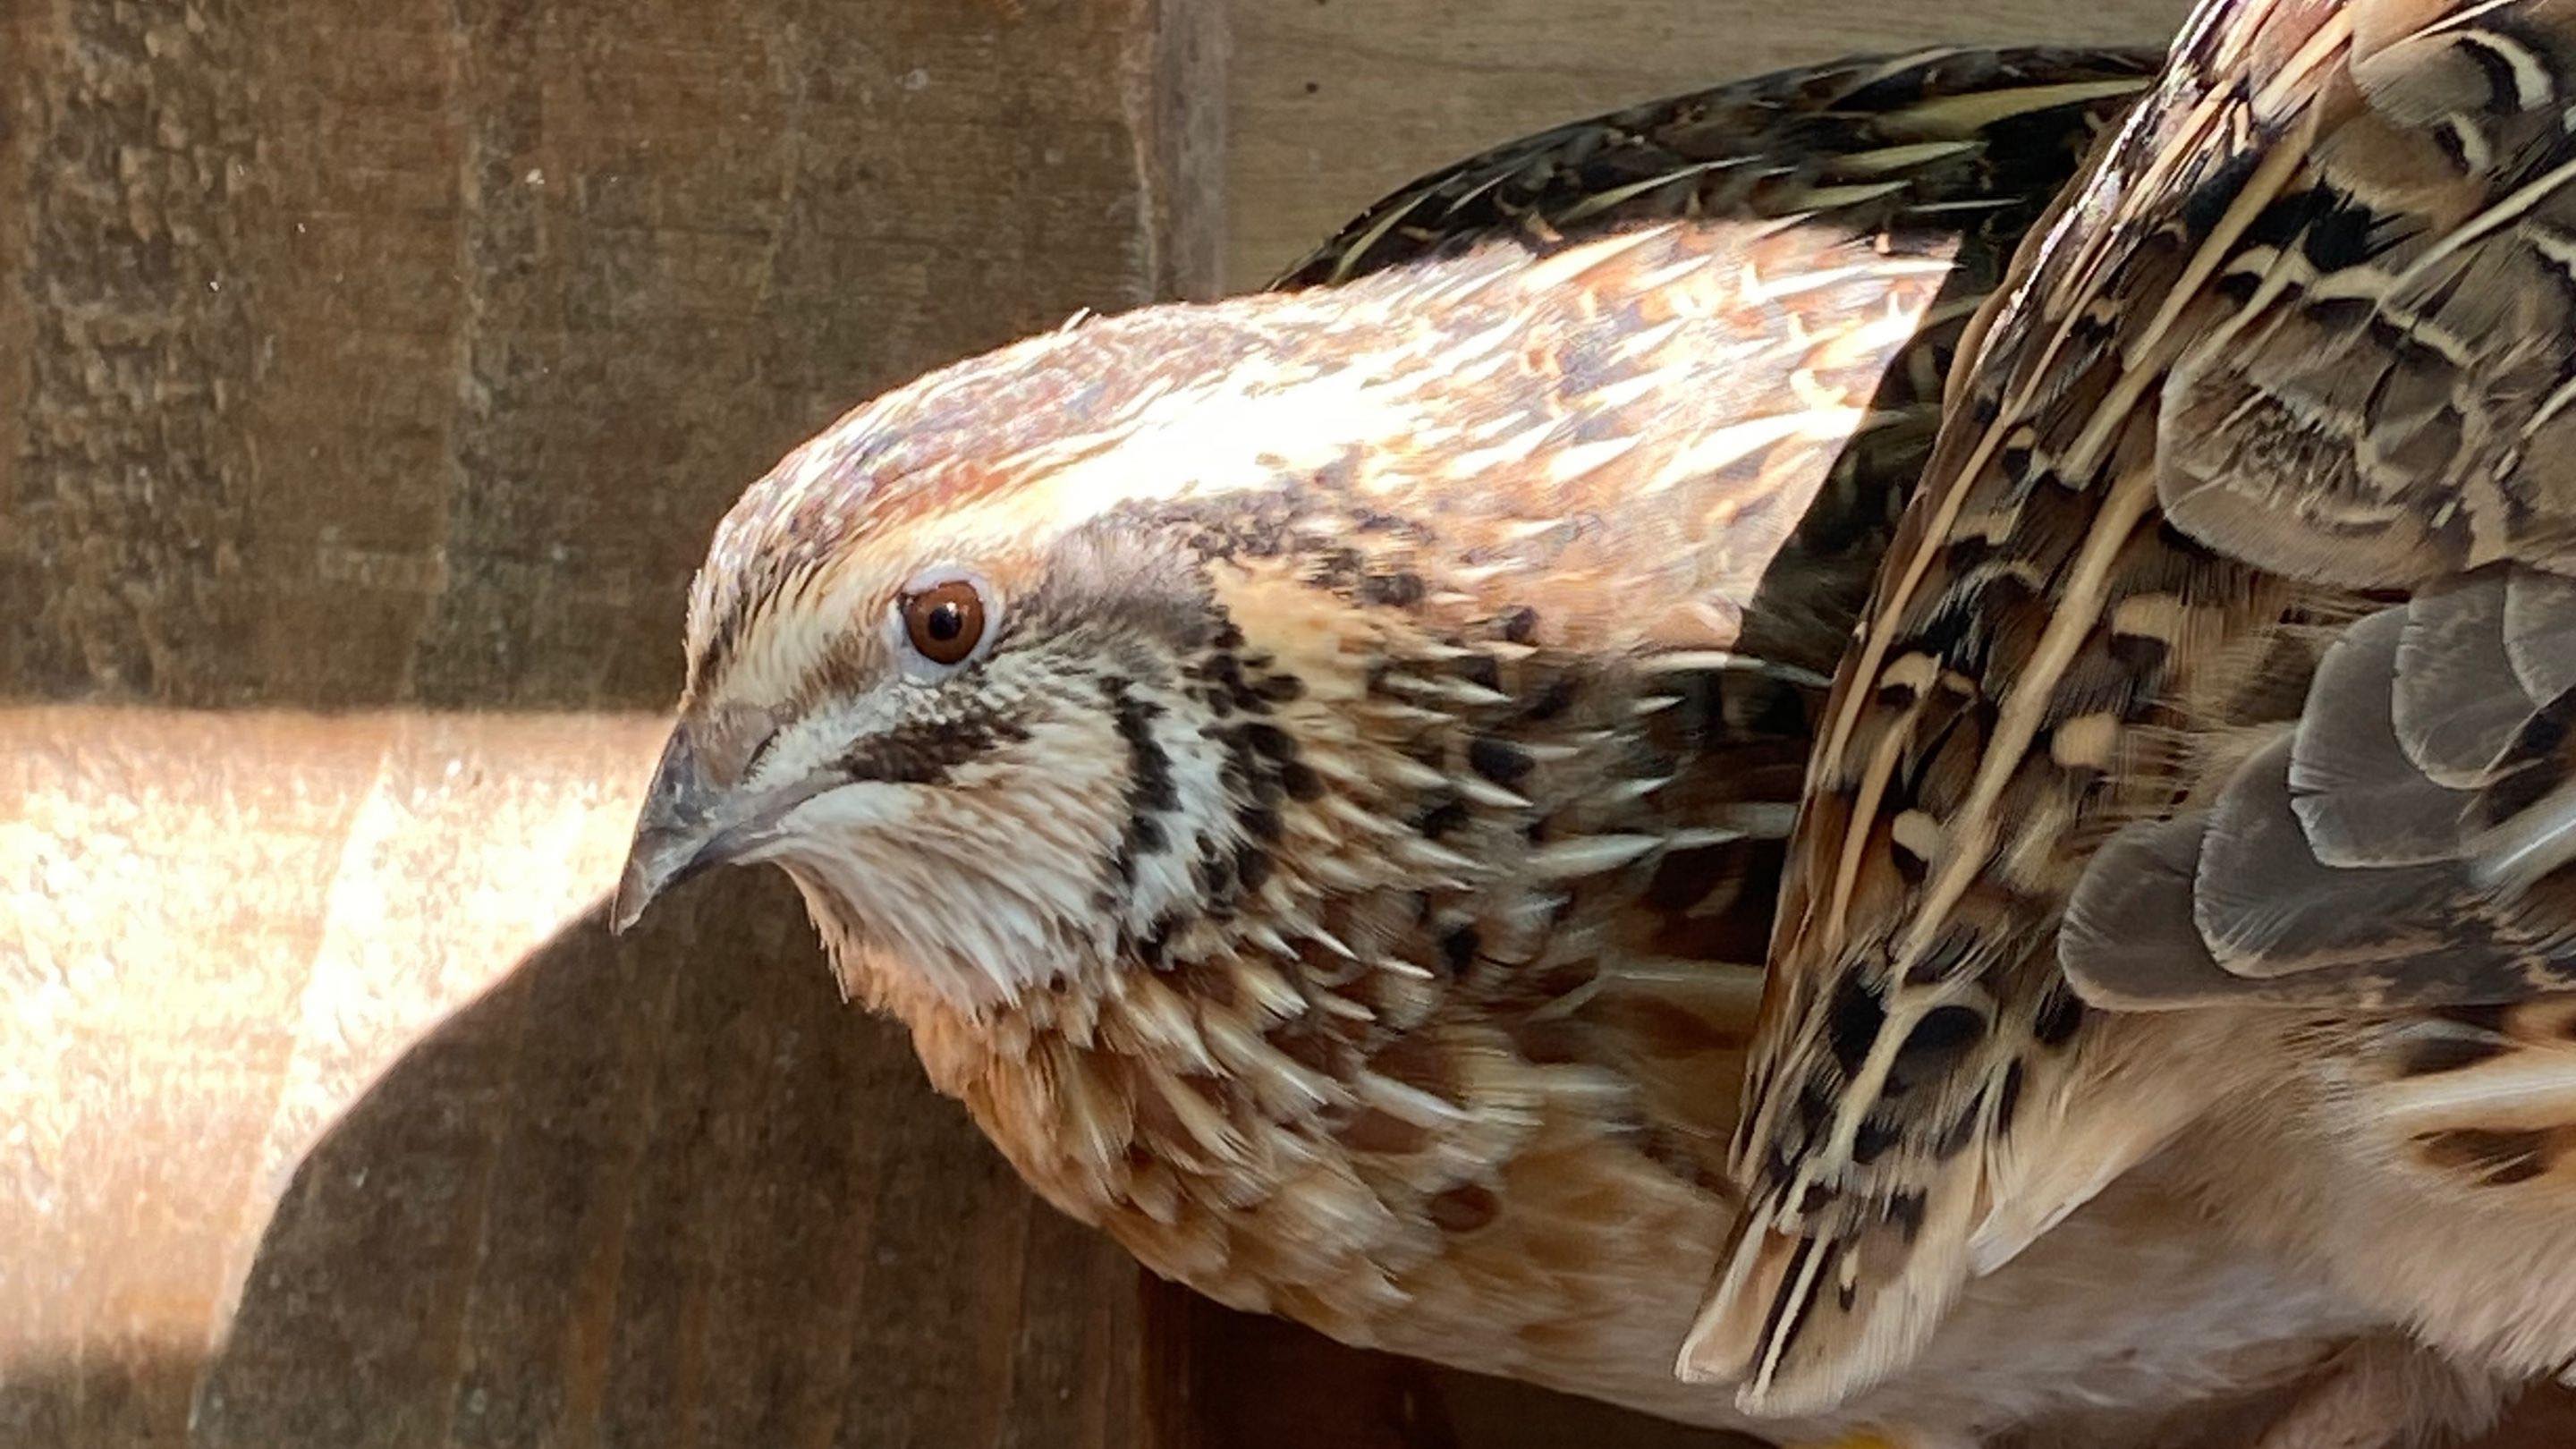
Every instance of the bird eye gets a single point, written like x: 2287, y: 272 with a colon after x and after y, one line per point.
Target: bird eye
x: 944, y: 622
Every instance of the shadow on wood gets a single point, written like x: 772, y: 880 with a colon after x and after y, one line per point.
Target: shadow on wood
x: 671, y: 1190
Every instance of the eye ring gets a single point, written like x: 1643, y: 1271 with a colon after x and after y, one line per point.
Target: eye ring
x: 943, y: 620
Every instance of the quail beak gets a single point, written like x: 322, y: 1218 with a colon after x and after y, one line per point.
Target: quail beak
x: 692, y: 823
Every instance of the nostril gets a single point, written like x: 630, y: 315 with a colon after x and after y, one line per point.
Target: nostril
x: 732, y: 741
x: 759, y: 752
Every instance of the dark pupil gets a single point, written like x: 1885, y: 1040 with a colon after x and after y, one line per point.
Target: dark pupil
x: 946, y: 621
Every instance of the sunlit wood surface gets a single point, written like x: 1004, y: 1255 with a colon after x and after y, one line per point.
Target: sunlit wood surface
x: 370, y: 377
x: 337, y: 1118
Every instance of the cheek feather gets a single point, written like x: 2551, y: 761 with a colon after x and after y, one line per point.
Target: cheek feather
x: 986, y: 885
x: 1179, y: 812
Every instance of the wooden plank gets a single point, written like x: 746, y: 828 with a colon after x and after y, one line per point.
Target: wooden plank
x: 1332, y: 103
x: 372, y: 379
x: 1345, y: 1399
x: 408, y: 350
x: 146, y: 1040
x: 324, y: 1052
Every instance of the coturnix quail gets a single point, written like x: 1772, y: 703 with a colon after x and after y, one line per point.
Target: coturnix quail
x: 1311, y: 770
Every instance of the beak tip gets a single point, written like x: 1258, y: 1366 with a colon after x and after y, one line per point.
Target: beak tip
x: 687, y: 825
x: 659, y: 863
x: 634, y: 895
x: 676, y: 795
x: 621, y: 915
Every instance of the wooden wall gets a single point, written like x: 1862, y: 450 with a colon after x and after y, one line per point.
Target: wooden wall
x: 370, y: 377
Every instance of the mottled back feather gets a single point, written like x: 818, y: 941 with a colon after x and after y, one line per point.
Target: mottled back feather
x: 2300, y: 344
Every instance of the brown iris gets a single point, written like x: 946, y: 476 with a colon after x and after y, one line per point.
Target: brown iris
x: 945, y: 621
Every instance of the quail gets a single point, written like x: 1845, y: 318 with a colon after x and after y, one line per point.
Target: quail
x: 1311, y: 770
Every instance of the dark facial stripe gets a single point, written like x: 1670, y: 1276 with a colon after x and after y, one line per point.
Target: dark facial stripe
x: 1150, y: 794
x: 926, y: 754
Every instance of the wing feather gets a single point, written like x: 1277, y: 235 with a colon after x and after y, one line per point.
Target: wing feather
x: 2437, y: 905
x: 2467, y: 697
x: 2302, y: 342
x: 1949, y: 138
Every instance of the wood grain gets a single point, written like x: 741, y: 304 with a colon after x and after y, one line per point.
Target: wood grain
x: 409, y: 351
x: 323, y: 1044
x: 374, y: 376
